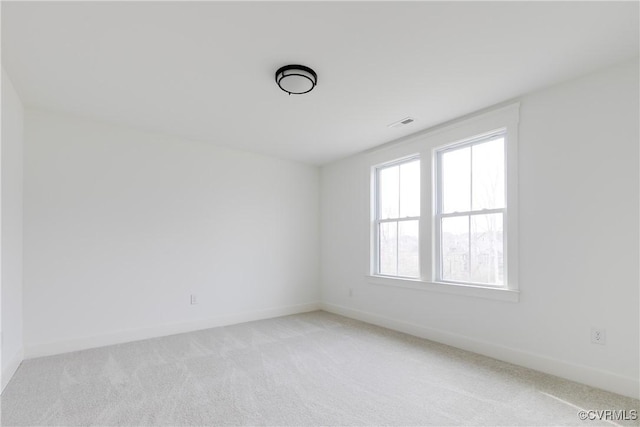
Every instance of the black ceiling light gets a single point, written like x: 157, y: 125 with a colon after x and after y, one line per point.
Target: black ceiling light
x: 296, y: 79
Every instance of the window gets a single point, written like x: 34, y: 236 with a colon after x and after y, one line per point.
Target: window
x: 397, y: 215
x: 470, y: 212
x: 444, y: 208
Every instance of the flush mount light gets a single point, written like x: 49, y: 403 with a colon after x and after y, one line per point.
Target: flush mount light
x: 296, y: 79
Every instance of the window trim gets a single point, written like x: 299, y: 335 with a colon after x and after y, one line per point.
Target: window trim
x: 439, y: 214
x: 376, y: 218
x: 424, y: 144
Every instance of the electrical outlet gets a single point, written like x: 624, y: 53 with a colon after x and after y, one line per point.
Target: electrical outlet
x: 598, y: 336
x: 350, y: 292
x: 194, y: 299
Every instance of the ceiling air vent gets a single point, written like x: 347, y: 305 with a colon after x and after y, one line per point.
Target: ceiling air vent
x: 403, y: 122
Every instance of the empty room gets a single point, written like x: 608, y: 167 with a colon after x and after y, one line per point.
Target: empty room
x: 320, y: 213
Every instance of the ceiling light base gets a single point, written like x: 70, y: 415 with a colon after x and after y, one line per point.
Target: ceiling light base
x: 296, y: 79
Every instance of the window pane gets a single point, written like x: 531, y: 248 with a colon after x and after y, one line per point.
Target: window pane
x: 388, y: 192
x: 388, y: 249
x: 408, y: 247
x: 488, y: 174
x: 455, y: 248
x: 410, y: 189
x: 456, y: 180
x: 487, y: 260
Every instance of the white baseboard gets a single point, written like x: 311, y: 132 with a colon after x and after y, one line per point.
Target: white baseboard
x: 579, y: 373
x: 120, y: 337
x: 11, y: 368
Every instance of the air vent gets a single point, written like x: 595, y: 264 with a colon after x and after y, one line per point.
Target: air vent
x: 403, y: 122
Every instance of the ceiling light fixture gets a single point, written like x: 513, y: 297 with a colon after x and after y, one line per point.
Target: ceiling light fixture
x: 296, y: 79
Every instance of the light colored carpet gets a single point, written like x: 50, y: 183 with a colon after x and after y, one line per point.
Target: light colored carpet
x: 308, y: 369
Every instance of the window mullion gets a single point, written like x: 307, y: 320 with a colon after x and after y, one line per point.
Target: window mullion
x: 480, y: 212
x: 424, y: 232
x: 399, y: 187
x: 377, y: 268
x: 378, y: 217
x: 397, y: 223
x: 471, y: 178
x: 407, y: 218
x: 397, y: 247
x: 470, y: 202
x: 469, y: 237
x: 439, y: 208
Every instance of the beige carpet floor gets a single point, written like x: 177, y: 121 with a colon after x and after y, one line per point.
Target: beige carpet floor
x: 308, y: 369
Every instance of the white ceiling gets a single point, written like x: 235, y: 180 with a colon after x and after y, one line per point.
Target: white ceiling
x: 205, y: 70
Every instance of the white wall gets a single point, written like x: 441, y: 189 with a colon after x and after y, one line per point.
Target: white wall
x: 11, y: 231
x: 578, y: 175
x: 122, y: 226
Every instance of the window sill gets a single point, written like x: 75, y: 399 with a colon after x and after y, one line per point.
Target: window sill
x: 500, y: 294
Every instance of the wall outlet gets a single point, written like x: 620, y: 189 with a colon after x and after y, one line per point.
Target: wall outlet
x: 194, y: 299
x: 598, y: 336
x: 350, y: 292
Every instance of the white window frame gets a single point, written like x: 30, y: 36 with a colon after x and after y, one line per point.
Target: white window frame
x: 439, y: 214
x: 377, y: 220
x: 426, y: 145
